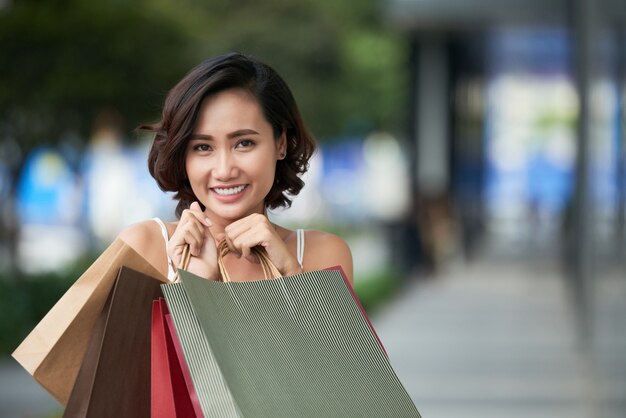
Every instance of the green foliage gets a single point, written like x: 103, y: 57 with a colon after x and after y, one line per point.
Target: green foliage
x: 63, y: 64
x: 375, y: 289
x: 346, y: 68
x: 25, y: 299
x: 65, y: 61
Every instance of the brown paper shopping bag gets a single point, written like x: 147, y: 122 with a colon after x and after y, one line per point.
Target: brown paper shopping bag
x: 53, y: 352
x: 114, y: 378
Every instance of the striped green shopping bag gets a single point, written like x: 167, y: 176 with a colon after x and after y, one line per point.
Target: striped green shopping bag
x: 297, y: 346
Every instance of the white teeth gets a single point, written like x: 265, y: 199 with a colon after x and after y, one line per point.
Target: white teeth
x: 229, y: 191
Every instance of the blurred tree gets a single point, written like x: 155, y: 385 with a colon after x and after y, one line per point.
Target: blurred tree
x: 346, y: 67
x: 62, y: 62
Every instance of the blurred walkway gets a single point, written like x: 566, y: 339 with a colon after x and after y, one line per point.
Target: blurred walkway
x: 498, y: 340
x: 21, y: 396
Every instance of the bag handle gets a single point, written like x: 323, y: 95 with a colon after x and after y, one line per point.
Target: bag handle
x: 269, y: 269
x: 184, y: 262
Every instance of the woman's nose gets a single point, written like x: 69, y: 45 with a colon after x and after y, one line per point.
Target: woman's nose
x: 225, y: 166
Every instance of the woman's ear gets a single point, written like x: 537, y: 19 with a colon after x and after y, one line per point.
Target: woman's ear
x: 281, y: 146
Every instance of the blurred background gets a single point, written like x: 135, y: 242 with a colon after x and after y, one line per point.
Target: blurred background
x: 472, y: 153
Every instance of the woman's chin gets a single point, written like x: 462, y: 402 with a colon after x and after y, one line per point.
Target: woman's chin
x: 228, y: 215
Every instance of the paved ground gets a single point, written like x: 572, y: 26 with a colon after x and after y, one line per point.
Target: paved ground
x: 499, y: 340
x: 486, y: 340
x: 21, y: 396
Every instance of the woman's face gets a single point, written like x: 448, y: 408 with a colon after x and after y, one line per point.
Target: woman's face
x: 231, y: 156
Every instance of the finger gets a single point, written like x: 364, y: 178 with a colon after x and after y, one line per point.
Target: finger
x: 242, y: 237
x: 192, y: 226
x: 208, y: 252
x: 274, y: 246
x: 175, y: 252
x: 191, y: 233
x: 245, y: 251
x: 254, y: 230
x: 189, y: 217
x: 195, y: 244
x: 195, y: 212
x: 196, y: 237
x: 245, y: 224
x: 246, y: 243
x: 231, y: 246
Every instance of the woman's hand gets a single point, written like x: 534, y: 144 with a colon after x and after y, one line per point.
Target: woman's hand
x: 193, y: 230
x: 254, y: 230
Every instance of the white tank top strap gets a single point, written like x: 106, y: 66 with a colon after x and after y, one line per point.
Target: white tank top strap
x: 171, y: 271
x: 300, y: 246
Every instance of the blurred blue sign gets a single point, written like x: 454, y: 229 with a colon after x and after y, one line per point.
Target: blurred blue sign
x: 46, y: 192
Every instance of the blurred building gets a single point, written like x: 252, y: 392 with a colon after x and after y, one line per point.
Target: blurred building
x: 516, y: 126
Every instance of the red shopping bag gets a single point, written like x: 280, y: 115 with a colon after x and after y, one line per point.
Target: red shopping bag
x: 172, y: 391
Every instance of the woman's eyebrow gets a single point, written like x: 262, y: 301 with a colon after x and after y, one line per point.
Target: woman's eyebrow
x: 242, y: 132
x: 231, y: 135
x: 200, y: 137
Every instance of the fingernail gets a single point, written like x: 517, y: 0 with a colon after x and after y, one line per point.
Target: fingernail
x: 208, y: 222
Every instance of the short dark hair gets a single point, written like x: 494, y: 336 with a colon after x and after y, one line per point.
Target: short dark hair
x: 166, y: 160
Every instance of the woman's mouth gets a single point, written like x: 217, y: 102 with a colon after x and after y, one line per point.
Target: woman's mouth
x: 229, y: 191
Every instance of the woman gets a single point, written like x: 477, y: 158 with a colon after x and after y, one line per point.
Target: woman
x: 231, y: 144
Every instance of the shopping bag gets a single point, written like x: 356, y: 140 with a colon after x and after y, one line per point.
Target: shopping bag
x: 293, y: 346
x: 172, y: 391
x: 114, y: 378
x: 53, y: 352
x: 214, y: 397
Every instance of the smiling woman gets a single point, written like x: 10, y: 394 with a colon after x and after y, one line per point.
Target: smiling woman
x: 232, y: 156
x: 231, y: 143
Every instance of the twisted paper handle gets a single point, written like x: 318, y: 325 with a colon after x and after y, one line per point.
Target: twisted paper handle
x: 269, y: 269
x: 184, y: 262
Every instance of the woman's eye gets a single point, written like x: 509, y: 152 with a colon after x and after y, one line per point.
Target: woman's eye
x: 245, y: 143
x: 202, y: 147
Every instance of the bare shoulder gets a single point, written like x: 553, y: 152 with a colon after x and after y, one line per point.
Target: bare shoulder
x: 147, y: 239
x: 140, y: 235
x: 324, y: 250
